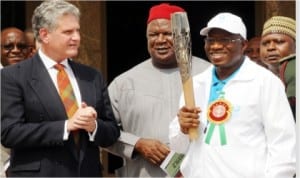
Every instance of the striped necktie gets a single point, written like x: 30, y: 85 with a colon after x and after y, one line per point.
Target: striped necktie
x: 67, y: 94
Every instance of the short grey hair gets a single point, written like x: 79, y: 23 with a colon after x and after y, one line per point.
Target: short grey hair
x: 47, y: 13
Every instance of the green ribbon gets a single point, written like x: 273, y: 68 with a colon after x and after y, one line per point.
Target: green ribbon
x: 222, y: 133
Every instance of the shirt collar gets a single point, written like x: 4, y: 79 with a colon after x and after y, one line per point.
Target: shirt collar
x: 216, y: 80
x: 49, y: 63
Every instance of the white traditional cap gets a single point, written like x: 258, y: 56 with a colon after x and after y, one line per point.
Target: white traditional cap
x: 228, y: 22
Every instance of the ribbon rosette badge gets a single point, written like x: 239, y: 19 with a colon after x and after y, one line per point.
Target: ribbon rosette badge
x: 218, y: 113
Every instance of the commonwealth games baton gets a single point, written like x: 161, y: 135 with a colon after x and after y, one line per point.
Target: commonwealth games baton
x: 182, y: 46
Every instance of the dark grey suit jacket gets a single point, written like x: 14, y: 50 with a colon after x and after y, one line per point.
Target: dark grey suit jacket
x: 33, y: 117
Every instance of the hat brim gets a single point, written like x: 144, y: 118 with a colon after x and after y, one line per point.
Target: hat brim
x: 204, y: 31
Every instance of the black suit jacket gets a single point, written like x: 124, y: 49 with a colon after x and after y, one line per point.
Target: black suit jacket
x: 33, y: 118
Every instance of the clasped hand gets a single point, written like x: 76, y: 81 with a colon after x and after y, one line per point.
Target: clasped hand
x: 84, y: 118
x: 188, y: 118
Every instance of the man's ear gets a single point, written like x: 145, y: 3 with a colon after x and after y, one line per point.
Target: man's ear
x: 44, y: 35
x: 244, y: 45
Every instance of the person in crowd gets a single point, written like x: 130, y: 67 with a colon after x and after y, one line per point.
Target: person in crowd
x: 278, y: 50
x: 13, y: 50
x: 253, y: 50
x: 244, y: 129
x: 55, y: 113
x: 31, y: 42
x: 13, y: 46
x: 145, y: 99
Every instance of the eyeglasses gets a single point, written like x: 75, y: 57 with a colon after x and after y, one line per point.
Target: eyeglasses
x: 223, y: 41
x: 10, y: 47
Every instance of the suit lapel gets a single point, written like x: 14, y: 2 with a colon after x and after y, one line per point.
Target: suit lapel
x: 85, y: 85
x: 44, y: 88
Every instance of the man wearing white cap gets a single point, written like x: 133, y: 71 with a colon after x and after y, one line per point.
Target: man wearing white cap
x: 245, y: 131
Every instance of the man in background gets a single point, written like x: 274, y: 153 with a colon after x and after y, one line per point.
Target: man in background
x: 13, y: 46
x: 253, y: 50
x: 32, y: 43
x: 14, y: 49
x: 278, y: 51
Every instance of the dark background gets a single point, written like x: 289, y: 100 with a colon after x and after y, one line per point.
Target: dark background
x: 126, y: 28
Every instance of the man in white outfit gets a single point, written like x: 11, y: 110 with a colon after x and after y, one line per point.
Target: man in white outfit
x: 145, y: 99
x: 246, y: 126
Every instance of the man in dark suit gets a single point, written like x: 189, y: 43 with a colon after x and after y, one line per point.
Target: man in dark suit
x: 35, y: 122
